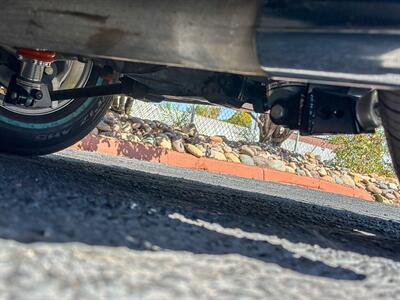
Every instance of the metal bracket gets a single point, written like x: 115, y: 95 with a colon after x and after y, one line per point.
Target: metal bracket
x: 323, y: 111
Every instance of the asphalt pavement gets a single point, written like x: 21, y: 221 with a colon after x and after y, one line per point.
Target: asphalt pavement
x: 78, y: 225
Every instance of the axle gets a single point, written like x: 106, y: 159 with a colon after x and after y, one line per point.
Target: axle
x: 317, y: 109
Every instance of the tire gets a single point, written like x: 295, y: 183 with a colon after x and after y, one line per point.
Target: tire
x: 389, y: 106
x: 47, y: 133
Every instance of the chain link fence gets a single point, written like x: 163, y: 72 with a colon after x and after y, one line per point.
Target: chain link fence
x: 214, y: 120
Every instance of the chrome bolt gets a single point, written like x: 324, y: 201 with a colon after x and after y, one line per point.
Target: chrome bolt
x: 49, y: 70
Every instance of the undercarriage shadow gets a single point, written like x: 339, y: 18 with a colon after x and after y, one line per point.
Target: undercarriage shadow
x: 67, y: 200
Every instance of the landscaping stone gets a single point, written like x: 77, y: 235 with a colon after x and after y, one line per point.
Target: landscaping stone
x: 389, y: 196
x: 276, y: 164
x: 217, y: 155
x: 94, y: 131
x: 328, y: 179
x: 110, y: 118
x: 290, y: 170
x: 149, y: 140
x: 226, y: 148
x: 192, y: 149
x: 134, y: 138
x: 246, y: 159
x: 300, y: 172
x: 164, y: 142
x: 260, y: 161
x: 347, y: 180
x: 337, y: 179
x: 186, y: 139
x: 178, y: 146
x: 322, y: 171
x: 216, y: 139
x: 104, y: 127
x: 232, y: 157
x: 247, y: 150
x: 372, y: 188
x: 382, y: 185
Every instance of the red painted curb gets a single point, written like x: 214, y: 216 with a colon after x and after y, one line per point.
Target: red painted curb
x: 107, y: 145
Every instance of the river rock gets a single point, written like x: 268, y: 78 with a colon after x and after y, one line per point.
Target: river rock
x: 310, y: 167
x: 150, y: 140
x: 337, y: 179
x: 328, y: 179
x: 164, y: 142
x: 247, y: 150
x: 126, y: 128
x: 217, y: 155
x: 389, y: 196
x: 276, y: 165
x: 192, y: 149
x: 136, y: 126
x: 216, y: 139
x: 357, y: 178
x: 322, y: 172
x: 246, y: 159
x: 372, y: 188
x: 260, y: 161
x: 124, y: 136
x: 177, y: 145
x: 347, y: 180
x: 110, y: 118
x: 232, y: 157
x: 360, y: 185
x: 308, y: 174
x: 300, y: 172
x: 383, y: 185
x: 226, y: 148
x: 134, y: 138
x: 102, y: 126
x: 393, y: 186
x: 290, y: 170
x: 94, y: 131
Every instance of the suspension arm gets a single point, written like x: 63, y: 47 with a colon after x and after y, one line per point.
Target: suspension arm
x: 127, y: 86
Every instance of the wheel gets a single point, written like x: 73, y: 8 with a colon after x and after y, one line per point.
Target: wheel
x: 389, y: 106
x: 29, y: 131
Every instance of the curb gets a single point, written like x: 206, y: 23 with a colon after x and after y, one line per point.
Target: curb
x: 112, y: 146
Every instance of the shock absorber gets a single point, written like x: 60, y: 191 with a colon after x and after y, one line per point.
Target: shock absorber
x: 33, y: 63
x: 27, y: 88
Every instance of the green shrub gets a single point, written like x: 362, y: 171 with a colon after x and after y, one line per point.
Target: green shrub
x: 363, y: 153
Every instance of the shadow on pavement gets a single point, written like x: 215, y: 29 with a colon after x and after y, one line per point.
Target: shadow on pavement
x: 65, y: 200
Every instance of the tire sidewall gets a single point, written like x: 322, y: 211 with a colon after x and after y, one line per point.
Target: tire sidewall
x: 42, y: 134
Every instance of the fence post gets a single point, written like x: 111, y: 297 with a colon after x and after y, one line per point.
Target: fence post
x: 297, y: 141
x: 193, y: 114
